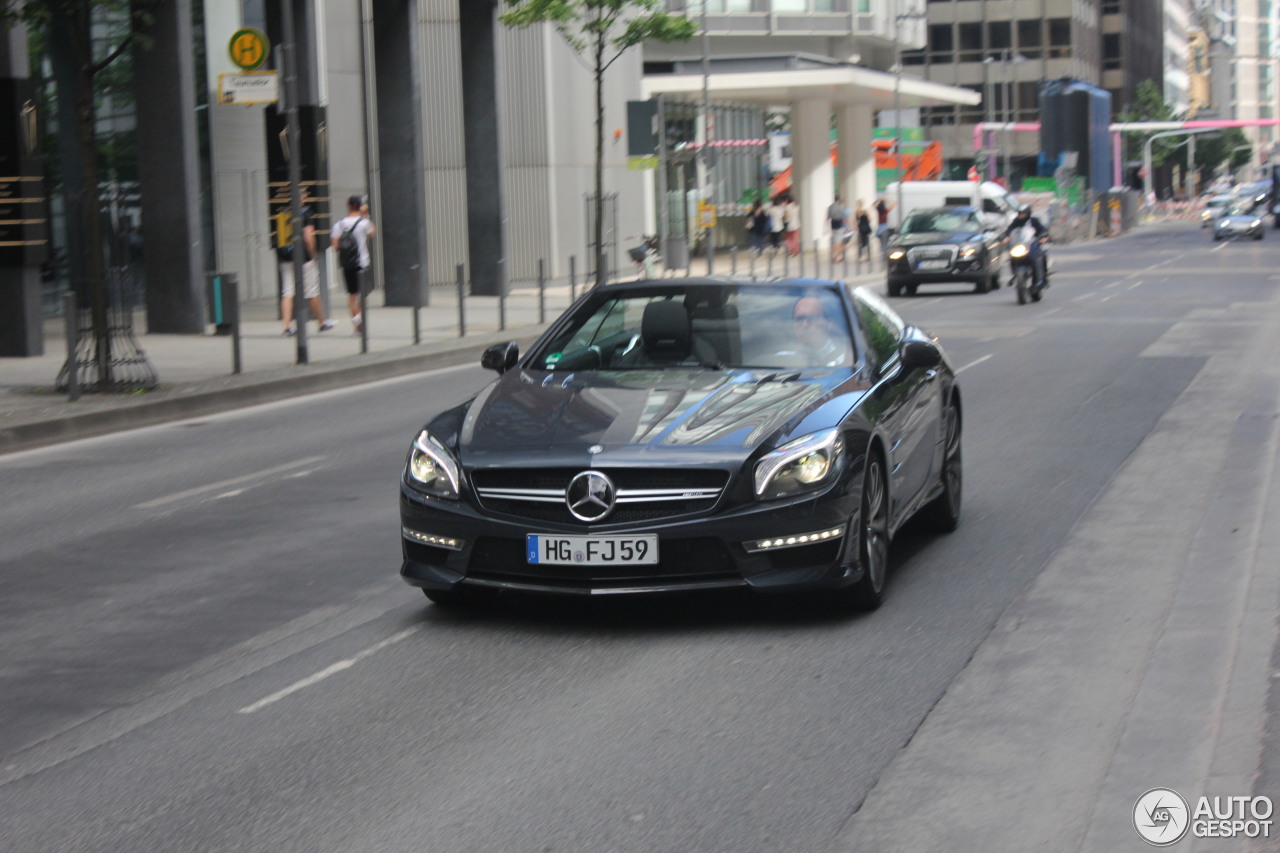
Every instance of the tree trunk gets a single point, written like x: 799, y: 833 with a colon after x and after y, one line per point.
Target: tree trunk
x: 99, y: 298
x: 599, y: 224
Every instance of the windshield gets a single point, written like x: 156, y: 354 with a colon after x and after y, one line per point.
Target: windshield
x: 941, y: 221
x: 710, y: 326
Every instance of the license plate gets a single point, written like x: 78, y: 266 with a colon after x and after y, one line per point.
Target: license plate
x: 933, y: 265
x: 551, y: 549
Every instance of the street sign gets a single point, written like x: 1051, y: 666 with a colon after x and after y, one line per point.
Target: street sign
x: 261, y: 87
x: 248, y: 48
x: 706, y: 214
x: 637, y: 164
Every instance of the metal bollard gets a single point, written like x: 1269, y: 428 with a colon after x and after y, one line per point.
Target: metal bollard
x: 69, y: 312
x: 230, y: 286
x: 542, y: 292
x: 573, y: 279
x: 462, y: 302
x: 364, y: 316
x: 786, y: 263
x: 417, y: 305
x: 602, y: 269
x: 733, y: 259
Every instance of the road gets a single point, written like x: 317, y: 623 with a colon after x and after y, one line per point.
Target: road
x: 206, y: 646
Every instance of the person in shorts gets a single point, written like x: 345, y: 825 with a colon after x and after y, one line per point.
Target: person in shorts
x: 360, y: 226
x: 310, y: 277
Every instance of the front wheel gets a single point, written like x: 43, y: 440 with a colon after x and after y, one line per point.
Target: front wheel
x: 1021, y: 278
x: 873, y: 538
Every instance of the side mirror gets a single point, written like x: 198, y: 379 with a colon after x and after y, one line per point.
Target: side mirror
x: 920, y: 354
x: 500, y: 357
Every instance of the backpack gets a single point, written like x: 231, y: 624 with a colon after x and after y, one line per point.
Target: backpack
x: 349, y: 249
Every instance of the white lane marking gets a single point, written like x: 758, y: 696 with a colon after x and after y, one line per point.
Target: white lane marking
x: 929, y: 301
x: 1082, y: 296
x: 974, y: 363
x: 1113, y: 284
x: 225, y: 484
x: 327, y: 671
x: 1135, y: 284
x: 1050, y: 311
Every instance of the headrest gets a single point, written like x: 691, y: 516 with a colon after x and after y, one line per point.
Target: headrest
x: 664, y: 329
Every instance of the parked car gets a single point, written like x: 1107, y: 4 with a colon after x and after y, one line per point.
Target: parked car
x: 1238, y: 222
x: 689, y: 434
x: 944, y: 245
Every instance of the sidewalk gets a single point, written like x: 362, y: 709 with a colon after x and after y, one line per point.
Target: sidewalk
x: 196, y: 371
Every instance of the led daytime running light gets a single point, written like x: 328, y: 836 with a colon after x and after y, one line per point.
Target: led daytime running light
x: 799, y: 539
x: 432, y: 539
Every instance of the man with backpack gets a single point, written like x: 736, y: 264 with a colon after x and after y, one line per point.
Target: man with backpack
x: 350, y: 240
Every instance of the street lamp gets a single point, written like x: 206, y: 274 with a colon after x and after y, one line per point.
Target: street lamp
x: 1007, y: 60
x: 708, y: 153
x: 989, y: 98
x: 1146, y: 152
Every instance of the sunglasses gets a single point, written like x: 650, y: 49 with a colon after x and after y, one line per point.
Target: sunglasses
x: 809, y: 318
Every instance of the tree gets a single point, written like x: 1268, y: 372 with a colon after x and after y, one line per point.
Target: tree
x: 1149, y: 105
x: 603, y: 29
x: 1231, y: 147
x: 79, y: 27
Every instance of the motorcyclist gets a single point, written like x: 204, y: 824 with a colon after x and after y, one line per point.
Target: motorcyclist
x: 1040, y: 234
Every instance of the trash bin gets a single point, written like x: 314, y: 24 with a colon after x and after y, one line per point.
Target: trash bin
x: 222, y: 297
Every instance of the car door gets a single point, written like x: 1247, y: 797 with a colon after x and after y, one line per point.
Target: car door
x: 909, y: 403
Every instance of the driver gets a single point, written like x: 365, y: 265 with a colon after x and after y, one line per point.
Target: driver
x: 1034, y: 241
x: 819, y: 341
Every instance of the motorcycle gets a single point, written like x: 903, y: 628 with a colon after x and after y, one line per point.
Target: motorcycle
x: 1022, y: 263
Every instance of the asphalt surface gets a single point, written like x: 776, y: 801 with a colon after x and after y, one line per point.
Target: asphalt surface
x: 207, y: 647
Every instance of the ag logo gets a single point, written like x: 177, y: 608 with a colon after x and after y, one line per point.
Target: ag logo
x: 1161, y: 817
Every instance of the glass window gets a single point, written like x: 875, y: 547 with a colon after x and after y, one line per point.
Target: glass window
x: 1030, y: 34
x: 999, y: 35
x: 1110, y: 50
x: 970, y: 35
x: 941, y: 38
x: 1059, y: 38
x: 704, y: 326
x: 882, y: 325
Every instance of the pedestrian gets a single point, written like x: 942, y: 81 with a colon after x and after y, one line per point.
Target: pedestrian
x: 776, y: 223
x: 310, y: 269
x: 863, y: 220
x: 838, y: 216
x: 757, y: 226
x: 882, y: 222
x: 354, y: 262
x: 791, y: 225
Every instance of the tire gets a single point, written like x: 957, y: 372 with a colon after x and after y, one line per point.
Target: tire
x: 911, y: 289
x: 984, y: 284
x: 995, y: 279
x: 943, y: 512
x: 873, y: 538
x: 895, y: 290
x: 461, y: 596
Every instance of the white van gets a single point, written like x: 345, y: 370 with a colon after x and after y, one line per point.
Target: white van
x: 998, y: 207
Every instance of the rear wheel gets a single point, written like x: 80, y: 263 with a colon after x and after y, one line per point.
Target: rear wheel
x: 943, y: 512
x: 873, y: 538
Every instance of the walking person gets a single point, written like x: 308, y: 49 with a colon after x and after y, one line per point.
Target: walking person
x: 358, y: 227
x: 882, y: 225
x: 776, y: 224
x: 310, y: 270
x: 791, y: 225
x: 757, y: 226
x: 862, y: 220
x: 838, y: 217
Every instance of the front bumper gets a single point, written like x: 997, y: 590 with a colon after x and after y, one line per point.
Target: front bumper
x: 695, y: 553
x: 1233, y: 230
x: 961, y: 270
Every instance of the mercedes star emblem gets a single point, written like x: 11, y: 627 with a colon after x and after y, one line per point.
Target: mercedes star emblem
x: 590, y: 496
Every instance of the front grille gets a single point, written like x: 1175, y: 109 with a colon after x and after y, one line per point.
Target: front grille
x: 680, y: 560
x: 538, y: 493
x: 932, y: 253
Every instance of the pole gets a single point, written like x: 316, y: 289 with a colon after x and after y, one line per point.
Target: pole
x: 1191, y: 167
x: 708, y: 154
x: 294, y: 131
x: 897, y: 105
x: 988, y: 95
x: 1006, y: 110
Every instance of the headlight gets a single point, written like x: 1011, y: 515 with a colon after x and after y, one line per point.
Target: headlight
x: 800, y: 465
x: 968, y: 252
x: 1019, y: 251
x: 897, y: 255
x: 432, y: 468
x: 1256, y: 223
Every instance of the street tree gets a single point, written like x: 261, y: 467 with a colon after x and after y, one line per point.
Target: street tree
x: 94, y: 34
x: 602, y: 30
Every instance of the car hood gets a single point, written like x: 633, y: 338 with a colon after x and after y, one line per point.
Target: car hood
x: 634, y: 416
x: 934, y: 238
